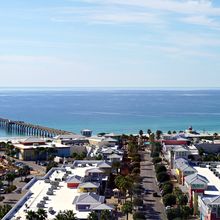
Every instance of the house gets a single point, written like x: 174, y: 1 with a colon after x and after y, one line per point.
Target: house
x: 86, y: 201
x: 74, y: 181
x: 88, y: 187
x: 114, y: 157
x: 209, y: 207
x: 71, y: 139
x: 196, y: 184
x: 183, y: 169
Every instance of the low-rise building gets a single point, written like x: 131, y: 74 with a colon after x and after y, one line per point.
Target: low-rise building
x: 66, y: 188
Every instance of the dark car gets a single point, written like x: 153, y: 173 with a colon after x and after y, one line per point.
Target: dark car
x: 155, y: 194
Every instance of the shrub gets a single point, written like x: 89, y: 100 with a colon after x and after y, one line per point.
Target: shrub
x: 162, y: 177
x: 2, y: 198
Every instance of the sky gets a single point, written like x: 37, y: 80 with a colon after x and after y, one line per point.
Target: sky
x: 110, y: 43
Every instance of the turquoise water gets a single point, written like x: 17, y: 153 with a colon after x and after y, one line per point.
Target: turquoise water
x: 120, y: 111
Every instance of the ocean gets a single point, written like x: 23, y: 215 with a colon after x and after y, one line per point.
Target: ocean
x: 113, y: 110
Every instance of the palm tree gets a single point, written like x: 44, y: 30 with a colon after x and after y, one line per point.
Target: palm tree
x: 141, y: 133
x: 4, y: 210
x: 31, y: 215
x: 10, y: 178
x: 127, y: 208
x: 124, y: 183
x: 149, y: 132
x: 42, y: 214
x: 105, y: 215
x: 93, y: 216
x: 66, y: 215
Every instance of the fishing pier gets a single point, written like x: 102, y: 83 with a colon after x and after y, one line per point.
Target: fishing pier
x: 21, y: 127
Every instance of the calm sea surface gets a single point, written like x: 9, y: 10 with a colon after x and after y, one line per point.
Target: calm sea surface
x: 114, y: 111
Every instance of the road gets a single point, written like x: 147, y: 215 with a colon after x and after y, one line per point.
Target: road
x: 155, y: 209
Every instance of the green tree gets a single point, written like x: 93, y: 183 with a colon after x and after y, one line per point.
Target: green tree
x: 158, y: 134
x: 66, y: 215
x: 31, y: 215
x: 93, y: 216
x: 50, y: 165
x: 105, y: 215
x: 160, y: 168
x: 149, y: 132
x: 186, y: 211
x: 167, y: 188
x: 163, y: 177
x: 141, y: 133
x: 4, y: 210
x: 127, y: 208
x: 124, y: 183
x: 10, y: 177
x: 42, y: 214
x: 169, y: 200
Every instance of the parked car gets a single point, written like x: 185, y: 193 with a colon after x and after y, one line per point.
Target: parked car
x: 155, y: 194
x: 2, y: 191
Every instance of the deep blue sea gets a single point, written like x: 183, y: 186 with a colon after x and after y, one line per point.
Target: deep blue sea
x: 119, y: 111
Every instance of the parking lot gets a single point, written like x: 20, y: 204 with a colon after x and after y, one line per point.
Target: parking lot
x: 154, y: 207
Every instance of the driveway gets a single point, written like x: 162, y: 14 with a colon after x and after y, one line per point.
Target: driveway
x: 154, y: 207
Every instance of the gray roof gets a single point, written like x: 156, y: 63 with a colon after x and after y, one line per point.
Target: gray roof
x: 211, y: 200
x: 94, y: 170
x: 109, y: 139
x: 186, y: 167
x: 180, y: 162
x: 104, y: 164
x: 69, y: 136
x: 33, y: 140
x: 74, y: 179
x: 114, y: 156
x: 89, y: 198
x: 102, y: 207
x: 89, y: 185
x: 196, y: 179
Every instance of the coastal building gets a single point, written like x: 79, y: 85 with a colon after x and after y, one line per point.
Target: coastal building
x: 65, y: 188
x: 33, y: 148
x: 102, y: 141
x: 209, y: 146
x: 183, y: 169
x: 86, y: 133
x: 203, y: 188
x: 174, y: 152
x: 71, y: 139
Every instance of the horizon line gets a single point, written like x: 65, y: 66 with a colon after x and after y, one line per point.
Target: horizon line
x: 107, y: 88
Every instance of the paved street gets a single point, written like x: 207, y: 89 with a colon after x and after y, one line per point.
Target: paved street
x: 155, y: 209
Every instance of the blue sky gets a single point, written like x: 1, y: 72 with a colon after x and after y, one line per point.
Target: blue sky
x: 110, y: 43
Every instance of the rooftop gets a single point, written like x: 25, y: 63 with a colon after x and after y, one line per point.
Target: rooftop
x: 61, y: 198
